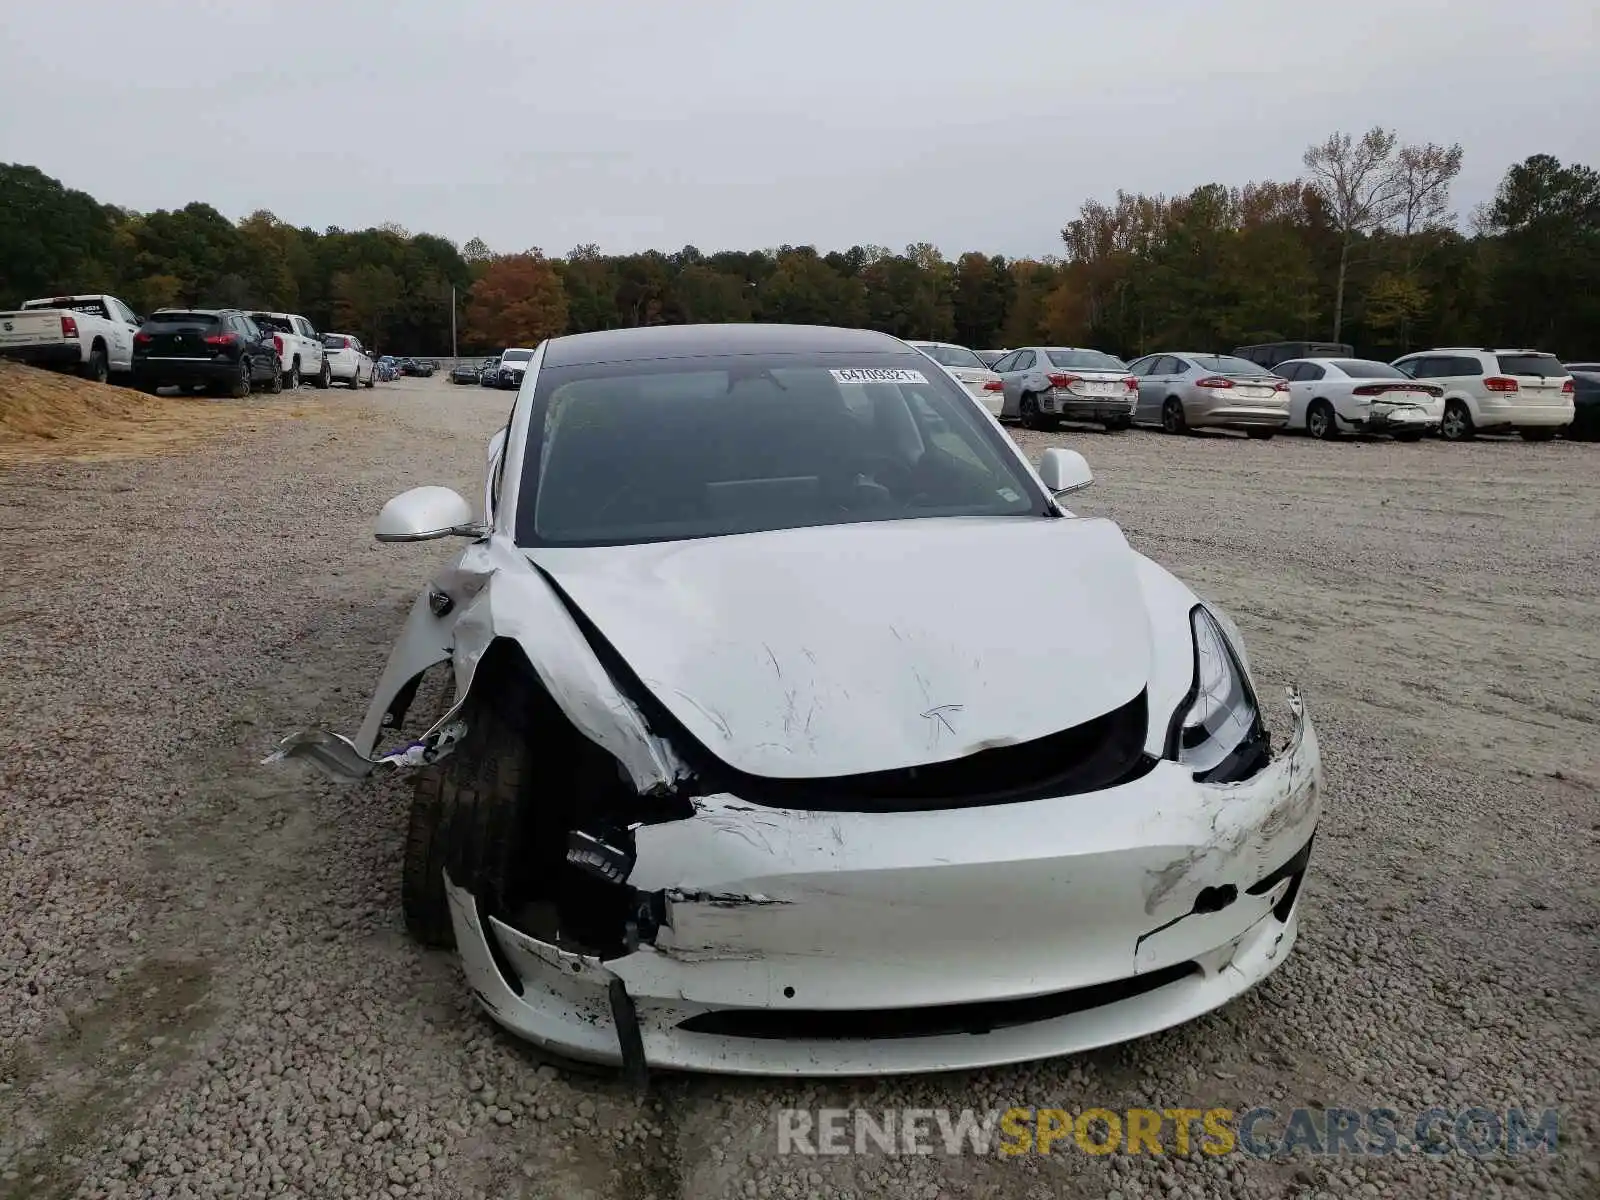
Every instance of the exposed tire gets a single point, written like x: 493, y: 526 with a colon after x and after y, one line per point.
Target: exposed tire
x: 1029, y: 409
x: 1260, y: 435
x: 1457, y: 424
x: 291, y: 377
x: 324, y: 376
x: 466, y: 816
x: 1172, y: 416
x: 1321, y: 422
x: 276, y: 385
x: 355, y: 380
x: 371, y: 379
x: 98, y: 368
x: 242, y: 385
x: 1537, y: 435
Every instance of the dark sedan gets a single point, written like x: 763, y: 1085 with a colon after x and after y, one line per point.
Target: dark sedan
x: 1585, y: 425
x: 218, y: 350
x: 464, y: 373
x: 419, y: 367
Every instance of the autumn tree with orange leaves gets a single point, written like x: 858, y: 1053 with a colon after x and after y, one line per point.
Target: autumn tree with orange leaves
x: 518, y: 301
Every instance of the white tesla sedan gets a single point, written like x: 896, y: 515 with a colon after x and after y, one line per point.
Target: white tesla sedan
x: 739, y: 770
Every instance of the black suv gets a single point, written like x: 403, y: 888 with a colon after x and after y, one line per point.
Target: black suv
x: 205, y: 349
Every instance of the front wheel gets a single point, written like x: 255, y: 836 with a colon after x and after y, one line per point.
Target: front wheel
x: 1537, y: 435
x: 1457, y: 424
x: 465, y: 819
x: 324, y: 376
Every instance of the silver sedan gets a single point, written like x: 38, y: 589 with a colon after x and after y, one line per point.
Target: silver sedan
x: 1044, y: 385
x: 1180, y: 392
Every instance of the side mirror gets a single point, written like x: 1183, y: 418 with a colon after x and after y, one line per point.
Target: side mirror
x: 426, y: 513
x: 1064, y: 471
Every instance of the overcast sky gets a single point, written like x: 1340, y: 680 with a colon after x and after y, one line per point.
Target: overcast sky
x: 742, y: 124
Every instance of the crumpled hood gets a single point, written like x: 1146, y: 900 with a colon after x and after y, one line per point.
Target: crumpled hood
x: 838, y: 650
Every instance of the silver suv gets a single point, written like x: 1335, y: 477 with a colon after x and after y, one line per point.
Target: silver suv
x: 1496, y: 390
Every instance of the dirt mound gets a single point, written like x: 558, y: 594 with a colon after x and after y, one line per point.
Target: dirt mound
x: 48, y: 415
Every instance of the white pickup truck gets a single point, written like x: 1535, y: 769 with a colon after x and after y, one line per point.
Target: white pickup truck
x: 299, y: 348
x: 92, y: 335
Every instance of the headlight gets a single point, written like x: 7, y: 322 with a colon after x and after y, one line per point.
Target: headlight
x: 1217, y: 731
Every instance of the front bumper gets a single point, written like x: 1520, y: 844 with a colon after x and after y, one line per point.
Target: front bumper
x: 1086, y: 408
x: 58, y: 356
x: 850, y: 943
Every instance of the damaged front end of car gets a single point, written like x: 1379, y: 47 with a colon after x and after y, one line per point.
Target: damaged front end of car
x: 653, y: 907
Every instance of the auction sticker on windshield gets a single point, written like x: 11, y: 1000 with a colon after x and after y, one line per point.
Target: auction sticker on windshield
x: 874, y: 375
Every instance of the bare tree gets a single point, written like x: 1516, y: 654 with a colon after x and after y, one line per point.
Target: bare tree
x: 1423, y: 175
x: 1358, y: 182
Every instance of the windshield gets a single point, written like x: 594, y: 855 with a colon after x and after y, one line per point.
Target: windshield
x: 89, y: 306
x: 1085, y: 360
x: 1530, y: 364
x: 183, y: 318
x: 953, y: 356
x: 516, y: 356
x: 700, y: 447
x: 1360, y: 368
x: 1229, y: 365
x: 277, y: 324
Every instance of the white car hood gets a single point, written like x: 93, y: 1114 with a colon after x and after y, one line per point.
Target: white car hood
x: 838, y: 650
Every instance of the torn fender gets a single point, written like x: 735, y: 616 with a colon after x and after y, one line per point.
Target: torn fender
x: 497, y: 594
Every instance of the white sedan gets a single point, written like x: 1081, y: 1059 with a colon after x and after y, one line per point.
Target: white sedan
x: 735, y: 770
x: 1330, y: 396
x: 349, y: 362
x: 966, y: 366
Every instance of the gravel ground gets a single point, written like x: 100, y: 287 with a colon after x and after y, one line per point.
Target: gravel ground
x: 208, y: 992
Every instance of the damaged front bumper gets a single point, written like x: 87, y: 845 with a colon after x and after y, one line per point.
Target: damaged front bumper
x: 864, y: 943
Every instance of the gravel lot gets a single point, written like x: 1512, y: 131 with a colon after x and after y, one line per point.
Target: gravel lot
x: 208, y: 992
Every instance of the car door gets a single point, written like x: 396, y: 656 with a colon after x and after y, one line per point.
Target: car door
x: 1299, y: 395
x: 1007, y: 407
x: 1155, y: 384
x: 313, y: 351
x: 1139, y: 368
x: 1015, y: 381
x: 123, y: 327
x: 258, y: 345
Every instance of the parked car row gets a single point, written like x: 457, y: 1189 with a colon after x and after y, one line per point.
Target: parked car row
x: 1323, y: 391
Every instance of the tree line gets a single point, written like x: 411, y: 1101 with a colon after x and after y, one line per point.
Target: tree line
x: 1362, y: 247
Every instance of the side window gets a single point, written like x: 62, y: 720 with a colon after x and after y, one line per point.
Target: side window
x: 1311, y: 371
x: 1287, y: 370
x: 1004, y: 365
x: 1167, y: 365
x: 1411, y: 366
x: 1025, y: 360
x: 1139, y: 367
x: 1465, y: 366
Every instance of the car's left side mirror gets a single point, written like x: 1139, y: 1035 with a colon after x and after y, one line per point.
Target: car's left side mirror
x: 426, y: 513
x: 1064, y: 471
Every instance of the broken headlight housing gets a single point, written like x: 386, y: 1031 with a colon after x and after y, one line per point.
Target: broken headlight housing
x: 1217, y: 731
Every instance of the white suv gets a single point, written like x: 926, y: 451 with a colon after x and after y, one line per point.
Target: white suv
x: 1496, y: 390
